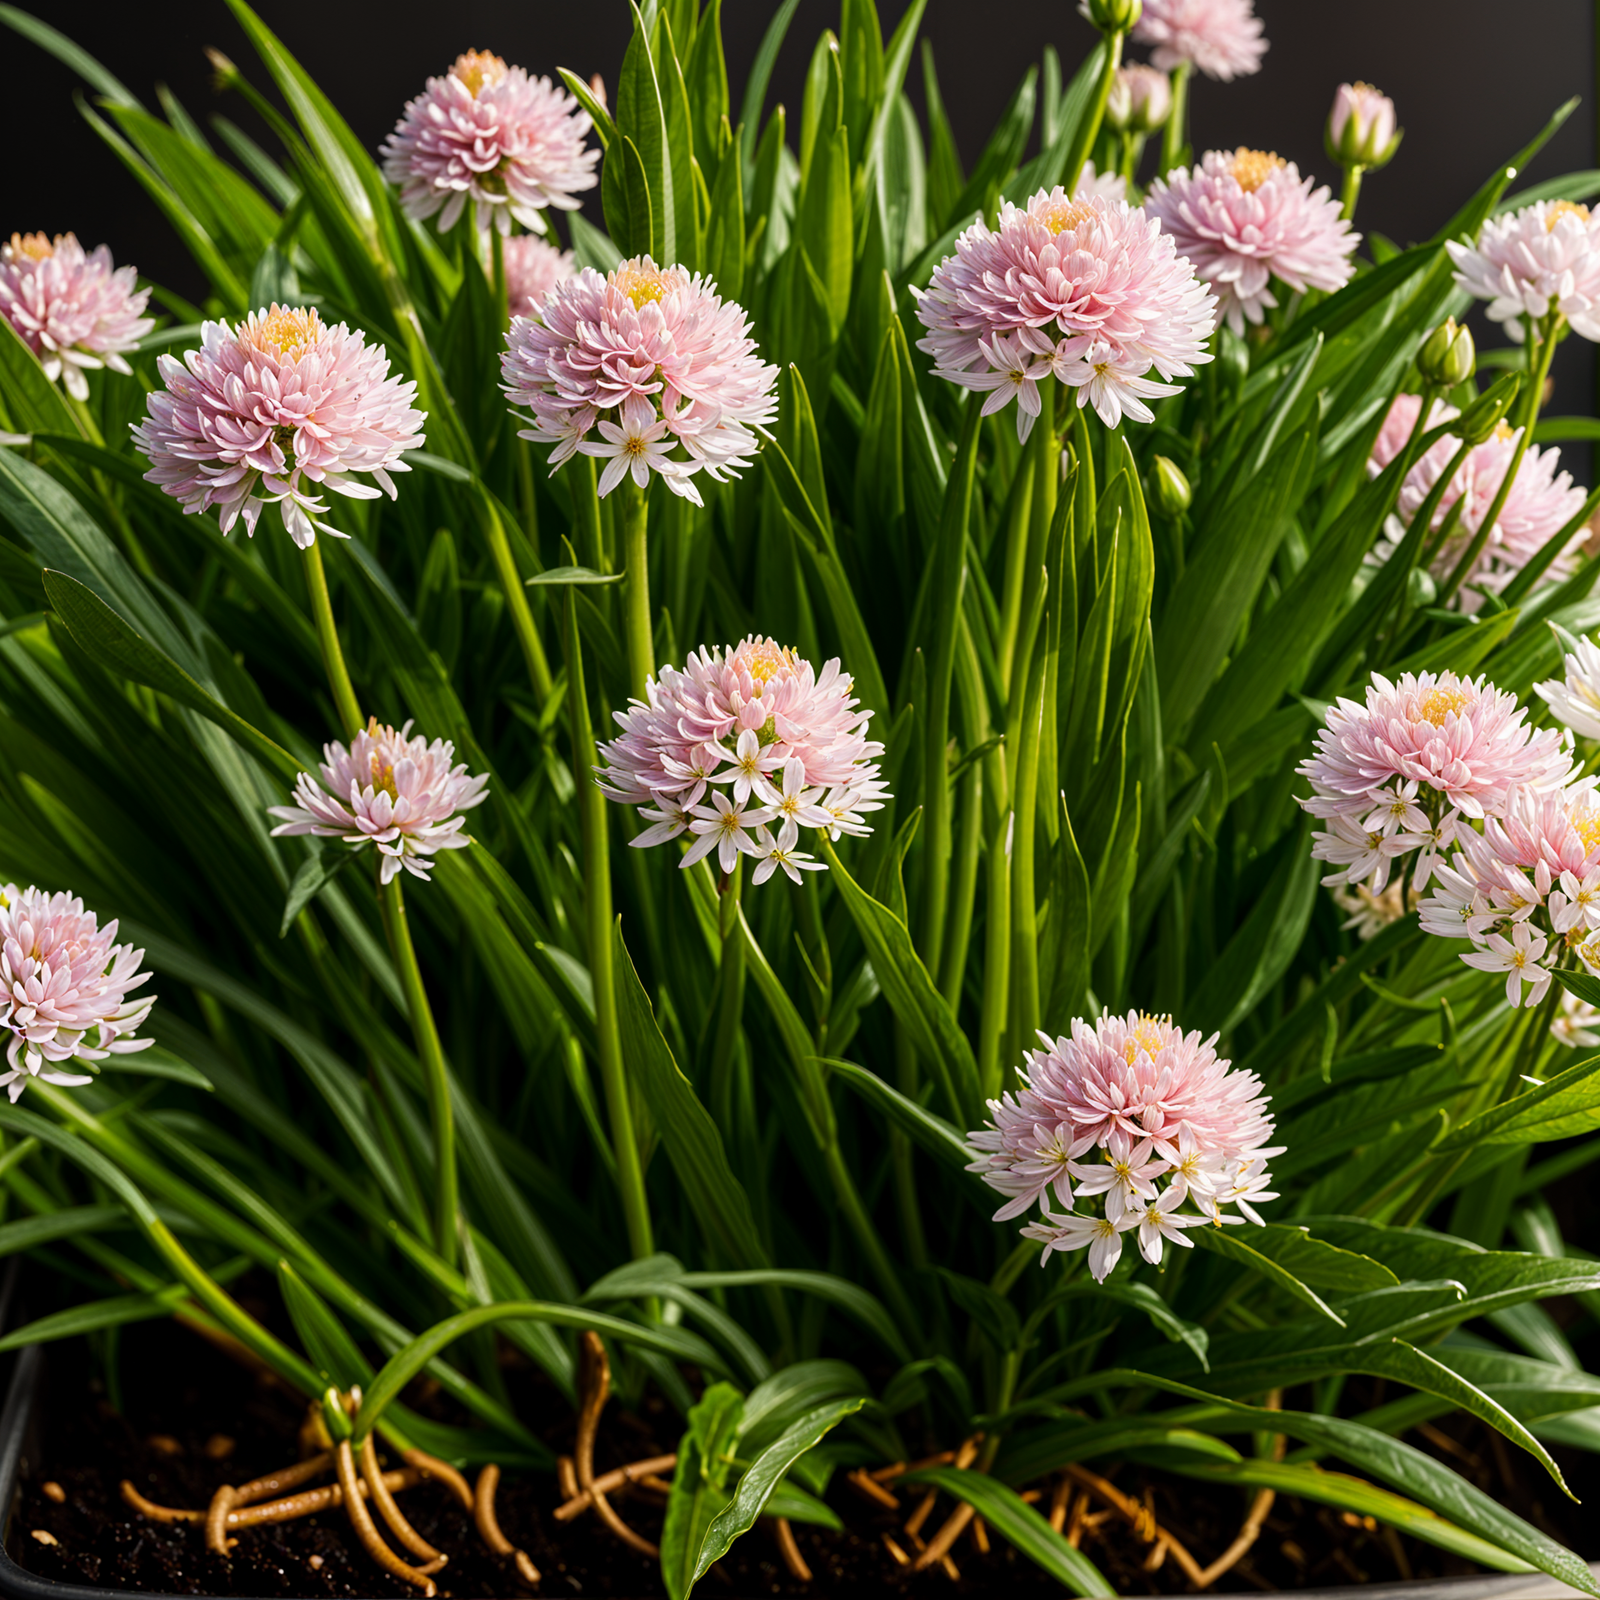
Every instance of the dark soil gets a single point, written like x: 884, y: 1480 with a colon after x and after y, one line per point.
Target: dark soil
x: 193, y: 1419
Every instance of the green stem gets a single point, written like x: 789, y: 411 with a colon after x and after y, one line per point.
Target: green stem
x: 586, y: 506
x: 516, y: 594
x: 636, y: 586
x: 602, y: 965
x: 1025, y: 1008
x: 1017, y: 524
x: 344, y: 694
x: 435, y: 1073
x: 1089, y: 127
x: 1176, y: 133
x: 996, y: 1003
x: 1352, y: 191
x: 969, y: 844
x: 730, y: 998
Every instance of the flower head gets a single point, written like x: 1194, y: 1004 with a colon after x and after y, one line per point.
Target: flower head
x: 1541, y: 501
x: 1081, y: 289
x: 1367, y: 913
x: 1575, y: 699
x: 1173, y: 1123
x: 268, y: 412
x: 65, y: 987
x: 1244, y: 217
x: 1141, y: 99
x: 388, y: 789
x: 740, y: 740
x: 1541, y: 260
x: 1361, y: 127
x: 488, y: 133
x: 73, y: 309
x: 655, y: 361
x: 1576, y: 1023
x: 1220, y: 37
x: 534, y: 267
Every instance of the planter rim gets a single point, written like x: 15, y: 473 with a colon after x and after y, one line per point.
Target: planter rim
x: 17, y: 1583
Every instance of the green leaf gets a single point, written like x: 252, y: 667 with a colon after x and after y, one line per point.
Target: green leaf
x: 94, y: 1315
x: 1225, y: 1242
x: 926, y: 1128
x: 68, y: 54
x: 336, y: 1356
x: 700, y: 1490
x: 1560, y: 1108
x: 28, y: 1232
x: 755, y: 86
x: 758, y: 1482
x: 315, y: 873
x: 34, y: 404
x: 1018, y: 1524
x: 564, y: 576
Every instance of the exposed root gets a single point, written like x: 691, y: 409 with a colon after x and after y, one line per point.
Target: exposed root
x: 578, y: 1500
x: 913, y: 1524
x: 149, y: 1508
x: 792, y: 1559
x: 1058, y: 1503
x: 567, y: 1477
x: 980, y: 1536
x: 1260, y: 1508
x: 440, y: 1472
x: 305, y: 1504
x: 869, y: 1485
x: 896, y: 1554
x: 366, y: 1530
x: 939, y: 1544
x: 278, y: 1483
x: 1140, y: 1517
x: 217, y: 1540
x: 595, y: 1386
x: 489, y: 1525
x: 393, y: 1516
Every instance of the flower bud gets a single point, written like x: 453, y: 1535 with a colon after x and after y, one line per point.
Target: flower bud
x: 1172, y: 488
x: 1487, y: 413
x: 1448, y: 355
x: 1361, y: 127
x: 224, y: 74
x: 1112, y: 16
x: 1141, y: 100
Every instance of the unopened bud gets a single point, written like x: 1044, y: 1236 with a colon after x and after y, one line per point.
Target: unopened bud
x: 1361, y: 128
x: 597, y: 87
x: 1448, y: 355
x: 224, y: 74
x: 1140, y: 101
x: 1487, y: 413
x: 1172, y: 489
x: 1112, y: 16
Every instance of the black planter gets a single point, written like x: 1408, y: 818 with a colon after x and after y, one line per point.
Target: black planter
x: 18, y: 1448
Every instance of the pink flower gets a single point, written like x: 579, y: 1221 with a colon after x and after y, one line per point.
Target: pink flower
x: 1159, y: 1104
x: 1221, y: 37
x: 1108, y: 185
x: 740, y: 739
x: 1083, y: 289
x: 263, y: 410
x: 654, y: 350
x: 533, y: 268
x: 1141, y: 99
x: 73, y: 310
x: 1575, y: 698
x: 489, y: 133
x: 1361, y: 127
x: 1541, y: 260
x: 1462, y: 740
x: 1541, y: 502
x: 64, y: 988
x: 388, y: 789
x: 1244, y: 217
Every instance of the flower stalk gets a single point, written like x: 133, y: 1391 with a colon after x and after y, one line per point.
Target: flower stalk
x: 636, y: 613
x: 344, y: 694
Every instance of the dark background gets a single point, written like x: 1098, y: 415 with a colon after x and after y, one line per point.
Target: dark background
x: 1473, y: 80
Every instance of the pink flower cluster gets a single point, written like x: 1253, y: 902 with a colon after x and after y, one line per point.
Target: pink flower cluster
x: 534, y: 267
x: 1526, y: 890
x: 262, y: 410
x: 65, y: 987
x: 1220, y: 37
x: 1079, y: 289
x: 388, y: 789
x: 489, y: 134
x: 652, y: 359
x: 741, y: 741
x: 1543, y: 260
x: 1160, y: 1106
x: 1244, y: 217
x: 1541, y: 501
x: 73, y: 309
x: 1398, y: 774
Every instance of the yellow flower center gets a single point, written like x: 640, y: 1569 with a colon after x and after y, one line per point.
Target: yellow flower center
x: 1587, y: 828
x: 478, y: 69
x: 1061, y: 216
x: 285, y: 332
x: 1437, y: 704
x: 1147, y: 1035
x: 764, y: 659
x: 35, y: 246
x: 1252, y: 168
x: 643, y: 283
x: 1564, y: 208
x: 1504, y: 430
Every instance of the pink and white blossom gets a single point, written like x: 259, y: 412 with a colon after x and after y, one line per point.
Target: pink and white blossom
x: 656, y: 362
x: 272, y: 410
x: 1362, y: 128
x: 1576, y: 1024
x: 72, y: 308
x: 1575, y: 698
x: 1140, y: 99
x: 490, y: 135
x: 534, y: 267
x: 1220, y: 37
x: 1173, y: 1123
x: 1541, y: 261
x: 1082, y: 289
x: 1246, y: 217
x: 402, y: 794
x: 66, y: 989
x: 740, y: 740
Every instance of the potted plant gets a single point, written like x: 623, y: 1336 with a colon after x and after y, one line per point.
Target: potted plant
x: 827, y: 755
